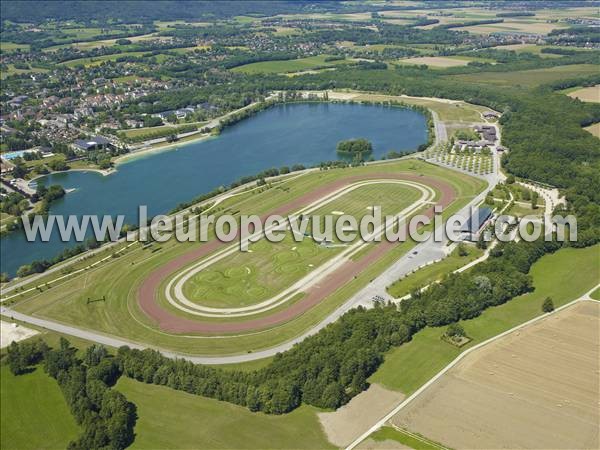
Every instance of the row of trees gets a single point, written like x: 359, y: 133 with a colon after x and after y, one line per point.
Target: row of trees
x: 105, y: 415
x: 329, y: 368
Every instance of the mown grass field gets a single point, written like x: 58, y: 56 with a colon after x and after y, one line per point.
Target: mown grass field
x: 247, y: 278
x: 292, y: 65
x: 409, y: 366
x: 434, y: 272
x: 448, y: 111
x: 170, y: 419
x: 405, y: 439
x: 34, y: 414
x: 529, y: 78
x: 117, y: 280
x: 97, y: 60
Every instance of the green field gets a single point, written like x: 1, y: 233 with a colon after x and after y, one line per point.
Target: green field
x: 97, y: 60
x: 529, y: 78
x: 407, y: 439
x: 434, y: 272
x: 169, y: 419
x: 447, y: 111
x: 247, y: 278
x: 409, y: 366
x: 596, y: 294
x: 292, y: 65
x: 118, y: 279
x: 9, y: 47
x: 34, y: 414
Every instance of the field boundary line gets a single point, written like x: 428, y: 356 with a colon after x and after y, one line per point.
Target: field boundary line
x: 405, y: 402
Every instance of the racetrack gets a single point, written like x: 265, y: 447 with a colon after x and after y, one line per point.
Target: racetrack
x: 342, y: 272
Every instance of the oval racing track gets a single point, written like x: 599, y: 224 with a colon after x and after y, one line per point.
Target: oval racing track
x: 345, y: 271
x: 180, y: 301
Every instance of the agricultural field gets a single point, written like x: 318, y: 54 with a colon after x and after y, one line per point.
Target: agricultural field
x: 435, y: 61
x: 292, y: 65
x: 388, y: 437
x: 95, y: 61
x: 529, y: 78
x: 170, y: 419
x: 34, y: 412
x: 514, y: 26
x: 523, y: 376
x: 587, y: 94
x: 408, y: 367
x: 594, y: 129
x: 113, y: 286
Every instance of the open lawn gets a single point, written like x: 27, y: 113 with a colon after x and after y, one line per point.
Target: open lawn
x: 389, y: 438
x: 97, y: 60
x: 247, y: 278
x: 596, y: 294
x: 409, y: 366
x: 34, y: 414
x: 170, y: 419
x: 117, y: 280
x: 434, y: 272
x: 9, y: 47
x: 292, y: 65
x: 529, y: 78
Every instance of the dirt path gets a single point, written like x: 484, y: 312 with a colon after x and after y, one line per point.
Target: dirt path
x: 170, y: 322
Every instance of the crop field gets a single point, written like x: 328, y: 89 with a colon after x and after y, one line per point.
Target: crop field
x: 169, y: 419
x: 408, y: 367
x: 34, y: 412
x: 291, y: 65
x: 435, y: 61
x: 541, y: 380
x: 587, y: 94
x: 529, y: 78
x: 594, y: 129
x: 514, y: 26
x: 107, y: 297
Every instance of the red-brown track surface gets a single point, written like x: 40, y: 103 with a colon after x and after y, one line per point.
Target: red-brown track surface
x: 169, y: 322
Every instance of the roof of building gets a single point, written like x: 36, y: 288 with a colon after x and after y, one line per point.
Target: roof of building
x: 477, y: 219
x: 92, y: 142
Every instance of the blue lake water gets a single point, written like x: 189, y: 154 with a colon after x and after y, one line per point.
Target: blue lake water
x: 305, y: 133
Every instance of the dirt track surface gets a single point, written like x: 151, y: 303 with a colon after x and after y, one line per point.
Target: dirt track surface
x: 170, y: 322
x: 535, y: 388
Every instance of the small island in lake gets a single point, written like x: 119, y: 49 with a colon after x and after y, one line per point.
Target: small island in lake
x: 354, y: 147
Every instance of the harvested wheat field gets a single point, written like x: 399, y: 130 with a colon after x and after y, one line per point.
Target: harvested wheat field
x: 435, y: 61
x: 588, y: 94
x: 350, y: 421
x: 535, y: 388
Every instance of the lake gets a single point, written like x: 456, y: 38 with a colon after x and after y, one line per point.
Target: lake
x: 284, y: 135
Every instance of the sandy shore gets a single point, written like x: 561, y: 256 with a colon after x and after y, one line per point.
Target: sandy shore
x: 160, y: 148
